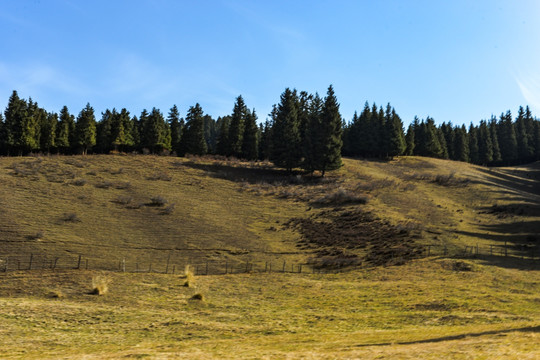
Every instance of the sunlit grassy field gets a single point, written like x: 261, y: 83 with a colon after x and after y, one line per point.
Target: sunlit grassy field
x: 148, y: 209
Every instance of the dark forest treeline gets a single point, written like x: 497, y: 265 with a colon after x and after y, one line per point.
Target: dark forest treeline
x: 498, y: 141
x: 303, y: 130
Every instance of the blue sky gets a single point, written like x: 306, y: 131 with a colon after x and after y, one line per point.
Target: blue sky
x: 458, y: 61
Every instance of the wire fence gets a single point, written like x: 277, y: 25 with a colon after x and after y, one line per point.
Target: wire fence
x: 525, y: 252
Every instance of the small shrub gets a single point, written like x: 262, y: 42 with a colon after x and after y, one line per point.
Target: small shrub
x: 104, y: 185
x: 70, y: 217
x: 79, y: 182
x: 189, y: 275
x: 157, y: 201
x: 168, y: 210
x: 124, y: 200
x: 36, y: 236
x: 123, y: 185
x: 57, y: 294
x: 198, y: 296
x: 100, y: 285
x: 342, y: 196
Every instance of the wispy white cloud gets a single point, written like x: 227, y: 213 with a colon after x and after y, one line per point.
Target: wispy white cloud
x: 37, y: 78
x: 530, y: 89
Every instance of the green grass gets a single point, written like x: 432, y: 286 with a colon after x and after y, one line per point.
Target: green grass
x: 420, y: 310
x: 148, y: 209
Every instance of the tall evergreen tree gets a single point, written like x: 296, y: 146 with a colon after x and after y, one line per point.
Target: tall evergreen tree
x: 65, y: 131
x: 461, y: 144
x: 16, y: 124
x: 525, y: 150
x: 507, y: 138
x: 48, y: 131
x: 409, y: 140
x: 448, y: 133
x: 492, y: 126
x: 210, y: 133
x: 396, y: 144
x: 193, y: 141
x: 286, y: 143
x: 156, y: 135
x: 250, y: 137
x: 311, y: 146
x: 265, y: 140
x: 103, y: 132
x: 222, y: 145
x: 236, y: 127
x: 474, y: 151
x: 330, y: 145
x: 176, y: 130
x: 3, y: 136
x: 85, y: 129
x: 485, y: 145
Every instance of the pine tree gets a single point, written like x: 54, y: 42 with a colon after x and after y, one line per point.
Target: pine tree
x: 48, y: 132
x: 236, y: 127
x: 311, y: 146
x: 330, y: 146
x: 461, y: 144
x: 250, y: 137
x: 507, y: 138
x: 536, y: 139
x: 155, y: 135
x: 210, y: 133
x: 65, y: 131
x: 20, y: 127
x: 3, y: 135
x: 474, y: 151
x: 265, y: 140
x: 524, y: 149
x: 103, y: 132
x: 222, y: 145
x: 193, y: 141
x: 396, y: 144
x: 36, y: 118
x: 494, y: 139
x: 286, y: 143
x: 448, y: 133
x: 127, y: 125
x: 85, y: 129
x: 409, y: 140
x: 174, y: 124
x: 485, y: 145
x: 135, y: 134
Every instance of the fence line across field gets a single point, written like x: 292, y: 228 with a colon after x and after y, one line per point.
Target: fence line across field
x: 219, y: 267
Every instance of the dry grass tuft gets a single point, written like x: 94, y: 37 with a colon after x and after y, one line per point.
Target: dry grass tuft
x: 189, y: 275
x: 100, y: 285
x: 198, y: 296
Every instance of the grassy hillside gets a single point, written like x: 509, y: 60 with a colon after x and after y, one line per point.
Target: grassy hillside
x: 374, y: 214
x: 147, y: 208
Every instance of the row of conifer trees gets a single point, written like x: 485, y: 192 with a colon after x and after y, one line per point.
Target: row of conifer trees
x: 379, y: 133
x: 303, y: 130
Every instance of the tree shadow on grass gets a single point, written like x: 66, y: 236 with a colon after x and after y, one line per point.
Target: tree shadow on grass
x: 254, y: 174
x: 525, y: 181
x: 527, y: 329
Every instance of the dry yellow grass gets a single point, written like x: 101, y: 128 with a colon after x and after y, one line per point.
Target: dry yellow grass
x: 98, y: 206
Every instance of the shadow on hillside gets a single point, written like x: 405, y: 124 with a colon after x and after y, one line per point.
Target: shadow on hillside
x: 258, y: 174
x: 526, y: 181
x: 528, y: 329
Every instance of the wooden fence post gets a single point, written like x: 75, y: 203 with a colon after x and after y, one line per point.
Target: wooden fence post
x: 283, y: 266
x: 168, y: 259
x: 79, y: 262
x: 31, y: 260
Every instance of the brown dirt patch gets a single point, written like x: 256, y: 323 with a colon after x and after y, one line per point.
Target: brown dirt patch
x: 343, y: 237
